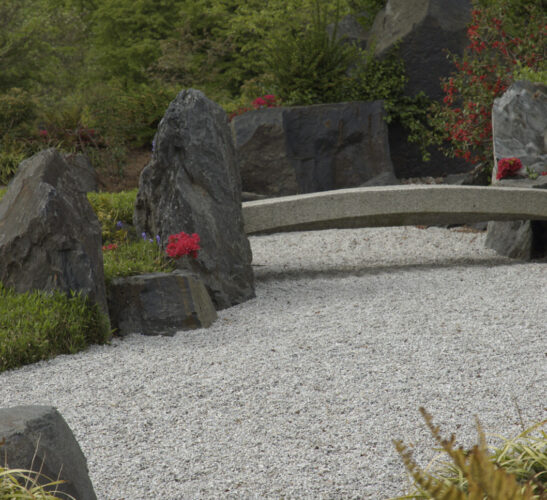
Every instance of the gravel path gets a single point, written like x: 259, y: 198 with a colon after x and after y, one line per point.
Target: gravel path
x: 299, y: 392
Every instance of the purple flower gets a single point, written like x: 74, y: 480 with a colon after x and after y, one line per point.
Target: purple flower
x: 158, y: 239
x: 119, y: 224
x: 143, y: 236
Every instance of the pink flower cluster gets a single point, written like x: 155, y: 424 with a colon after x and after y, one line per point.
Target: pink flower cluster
x: 183, y: 244
x: 508, y: 167
x: 266, y: 101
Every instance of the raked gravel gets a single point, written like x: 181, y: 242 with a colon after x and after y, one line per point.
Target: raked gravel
x: 299, y: 392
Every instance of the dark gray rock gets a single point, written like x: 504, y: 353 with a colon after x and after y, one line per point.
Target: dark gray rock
x: 524, y: 240
x: 305, y: 149
x: 385, y: 179
x: 350, y: 30
x: 192, y: 184
x: 41, y: 430
x: 519, y: 125
x: 84, y: 172
x: 50, y: 237
x: 159, y: 304
x: 260, y: 139
x: 424, y: 30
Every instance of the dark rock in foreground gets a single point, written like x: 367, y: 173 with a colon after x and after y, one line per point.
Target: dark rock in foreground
x: 38, y: 438
x: 159, y: 304
x: 50, y: 237
x: 192, y: 184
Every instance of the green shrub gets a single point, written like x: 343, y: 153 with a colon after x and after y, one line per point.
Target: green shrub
x: 112, y: 208
x: 39, y: 325
x: 516, y: 471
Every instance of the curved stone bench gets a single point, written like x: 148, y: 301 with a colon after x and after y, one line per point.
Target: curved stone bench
x: 393, y: 206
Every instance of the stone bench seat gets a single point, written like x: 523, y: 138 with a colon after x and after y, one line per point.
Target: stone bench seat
x: 393, y: 206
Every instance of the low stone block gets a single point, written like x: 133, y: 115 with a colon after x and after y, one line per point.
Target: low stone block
x: 159, y: 304
x: 37, y: 437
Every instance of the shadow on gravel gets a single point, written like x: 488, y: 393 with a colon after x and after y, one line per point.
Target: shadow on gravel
x: 264, y: 273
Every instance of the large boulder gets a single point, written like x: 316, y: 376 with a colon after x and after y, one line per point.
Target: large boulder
x: 50, y: 237
x: 192, y: 184
x: 159, y: 304
x: 305, y: 149
x: 424, y: 30
x: 37, y: 438
x: 519, y: 129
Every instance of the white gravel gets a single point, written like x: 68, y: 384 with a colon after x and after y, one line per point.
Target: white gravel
x: 299, y: 392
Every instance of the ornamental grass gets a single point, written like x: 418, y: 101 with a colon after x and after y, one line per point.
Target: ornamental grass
x: 515, y: 471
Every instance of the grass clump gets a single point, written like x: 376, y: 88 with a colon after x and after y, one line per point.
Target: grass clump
x: 516, y: 471
x: 39, y: 325
x: 28, y: 485
x: 134, y: 257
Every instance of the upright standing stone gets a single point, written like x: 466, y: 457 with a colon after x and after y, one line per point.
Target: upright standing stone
x: 37, y: 438
x: 50, y: 237
x: 423, y: 30
x: 519, y: 130
x: 192, y: 184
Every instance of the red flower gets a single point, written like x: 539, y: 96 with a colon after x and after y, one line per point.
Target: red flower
x: 110, y: 247
x: 508, y: 167
x: 258, y: 103
x: 183, y: 244
x: 43, y: 133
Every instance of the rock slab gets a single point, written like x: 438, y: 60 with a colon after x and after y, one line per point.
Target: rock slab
x: 519, y: 129
x: 192, y: 184
x: 37, y: 437
x: 50, y: 237
x: 306, y: 149
x: 159, y: 304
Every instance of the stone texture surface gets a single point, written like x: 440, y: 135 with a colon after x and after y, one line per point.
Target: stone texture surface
x: 519, y: 129
x: 305, y: 149
x: 42, y: 430
x: 159, y: 304
x: 384, y: 206
x: 425, y: 29
x: 519, y: 126
x: 50, y: 238
x: 83, y: 172
x: 192, y: 184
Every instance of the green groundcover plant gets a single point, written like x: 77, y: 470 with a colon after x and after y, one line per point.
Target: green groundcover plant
x: 39, y: 325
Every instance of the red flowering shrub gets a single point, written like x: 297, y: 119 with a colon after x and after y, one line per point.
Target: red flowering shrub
x: 110, y: 247
x: 183, y: 244
x: 503, y: 37
x: 508, y: 167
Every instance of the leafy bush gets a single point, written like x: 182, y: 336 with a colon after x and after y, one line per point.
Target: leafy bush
x: 505, y: 37
x: 38, y: 325
x: 517, y: 471
x: 111, y: 209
